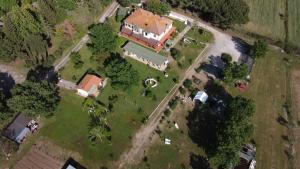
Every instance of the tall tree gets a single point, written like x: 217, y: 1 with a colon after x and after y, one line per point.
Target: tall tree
x: 34, y: 98
x: 103, y: 38
x: 259, y: 49
x: 126, y: 3
x: 235, y: 132
x: 121, y: 73
x: 223, y: 13
x: 157, y: 7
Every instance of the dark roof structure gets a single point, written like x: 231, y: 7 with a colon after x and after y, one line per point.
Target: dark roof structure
x: 17, y: 128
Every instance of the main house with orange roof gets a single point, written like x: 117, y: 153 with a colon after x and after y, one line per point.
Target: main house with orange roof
x: 89, y: 86
x: 147, y: 29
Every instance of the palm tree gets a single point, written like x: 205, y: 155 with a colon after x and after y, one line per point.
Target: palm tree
x: 99, y: 133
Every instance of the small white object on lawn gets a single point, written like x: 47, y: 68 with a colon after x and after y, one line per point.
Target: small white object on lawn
x: 176, y: 126
x: 167, y: 141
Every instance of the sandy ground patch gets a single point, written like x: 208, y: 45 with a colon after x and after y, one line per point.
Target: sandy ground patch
x: 45, y: 155
x: 296, y: 91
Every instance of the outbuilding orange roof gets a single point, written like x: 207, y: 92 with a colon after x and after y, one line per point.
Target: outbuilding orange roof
x: 148, y: 21
x: 89, y: 81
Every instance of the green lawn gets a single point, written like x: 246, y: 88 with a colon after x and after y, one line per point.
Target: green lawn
x: 179, y: 25
x: 192, y: 50
x: 124, y: 119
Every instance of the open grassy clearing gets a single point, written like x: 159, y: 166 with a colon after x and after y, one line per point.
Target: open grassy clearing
x: 179, y: 25
x: 177, y: 155
x: 125, y: 118
x: 265, y: 18
x: 268, y: 89
x: 294, y: 22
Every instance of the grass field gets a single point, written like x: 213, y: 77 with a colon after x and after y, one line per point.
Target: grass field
x: 177, y: 155
x: 69, y: 127
x: 267, y: 19
x: 294, y: 22
x: 268, y: 89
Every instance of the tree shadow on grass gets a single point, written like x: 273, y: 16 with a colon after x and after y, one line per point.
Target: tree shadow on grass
x: 199, y: 162
x: 6, y: 83
x: 41, y: 72
x: 205, y: 121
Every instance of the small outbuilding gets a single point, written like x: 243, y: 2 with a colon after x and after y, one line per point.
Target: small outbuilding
x: 89, y: 86
x: 201, y: 96
x: 18, y: 129
x: 146, y: 56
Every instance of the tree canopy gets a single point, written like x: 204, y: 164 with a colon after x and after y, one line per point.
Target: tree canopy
x: 126, y: 3
x: 235, y: 72
x: 259, y: 49
x: 157, y: 7
x: 121, y: 73
x: 234, y: 132
x: 103, y: 38
x: 223, y: 13
x: 34, y: 98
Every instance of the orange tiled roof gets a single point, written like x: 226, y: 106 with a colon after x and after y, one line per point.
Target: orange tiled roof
x: 148, y: 21
x: 89, y: 81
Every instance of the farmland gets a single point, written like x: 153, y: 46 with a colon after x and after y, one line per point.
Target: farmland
x: 267, y: 19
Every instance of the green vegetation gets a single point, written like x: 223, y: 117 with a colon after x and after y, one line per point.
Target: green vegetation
x: 38, y: 32
x: 179, y: 25
x: 235, y: 132
x: 103, y: 38
x: 221, y: 12
x: 121, y: 73
x: 126, y: 3
x: 271, y: 18
x: 157, y: 7
x: 185, y: 53
x: 76, y: 60
x: 259, y: 49
x: 127, y: 111
x: 269, y: 100
x: 234, y: 72
x: 34, y: 98
x: 226, y: 58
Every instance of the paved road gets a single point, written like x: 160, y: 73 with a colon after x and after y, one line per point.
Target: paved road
x: 108, y: 13
x: 66, y: 84
x: 223, y: 43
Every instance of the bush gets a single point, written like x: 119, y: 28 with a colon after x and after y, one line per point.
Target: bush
x: 76, y: 60
x: 226, y: 58
x: 174, y: 102
x: 167, y: 112
x: 176, y: 54
x: 187, y: 83
x: 259, y: 49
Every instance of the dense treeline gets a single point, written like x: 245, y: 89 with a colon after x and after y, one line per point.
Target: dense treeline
x: 223, y: 13
x: 29, y: 24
